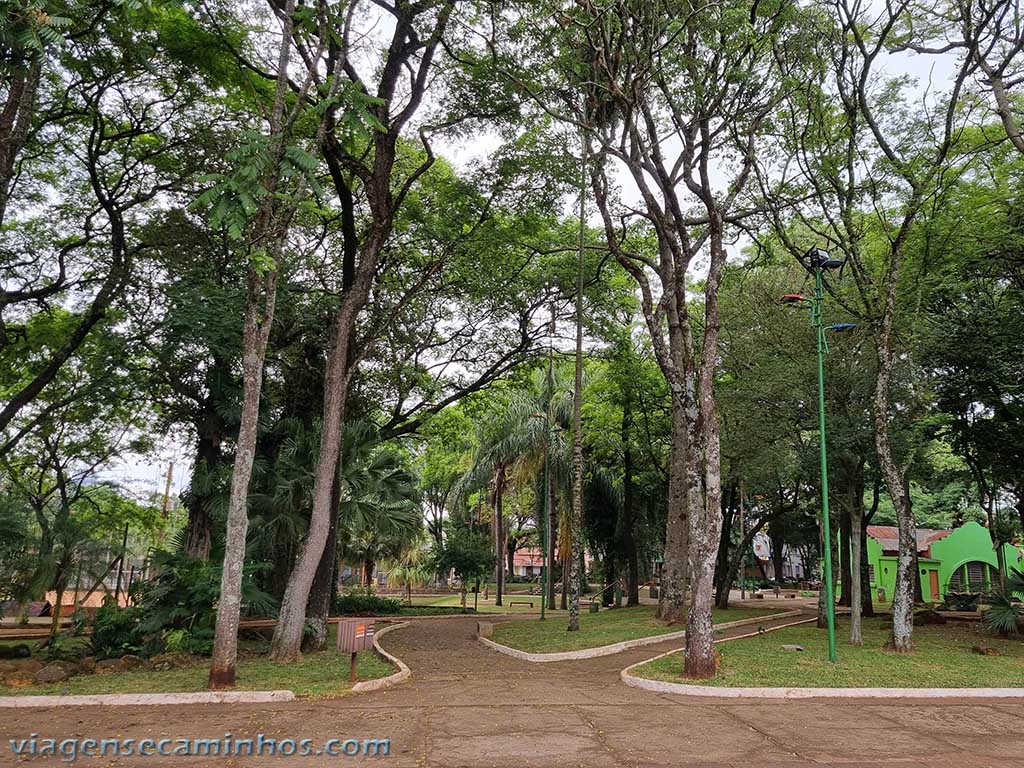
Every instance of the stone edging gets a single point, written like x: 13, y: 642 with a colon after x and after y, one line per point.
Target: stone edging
x: 144, y: 699
x: 384, y: 682
x: 625, y: 645
x: 205, y: 697
x: 724, y: 692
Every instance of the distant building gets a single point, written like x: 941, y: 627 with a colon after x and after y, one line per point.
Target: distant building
x: 792, y: 562
x: 958, y: 560
x: 529, y: 561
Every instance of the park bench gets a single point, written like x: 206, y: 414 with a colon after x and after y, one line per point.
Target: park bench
x: 512, y: 603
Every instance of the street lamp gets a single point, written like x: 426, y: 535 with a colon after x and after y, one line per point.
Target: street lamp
x: 818, y: 262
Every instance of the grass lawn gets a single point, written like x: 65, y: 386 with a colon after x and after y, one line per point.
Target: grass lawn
x: 943, y: 659
x: 319, y: 675
x: 597, y: 629
x: 482, y: 605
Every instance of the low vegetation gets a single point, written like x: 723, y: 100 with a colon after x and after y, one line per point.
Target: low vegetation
x: 604, y: 628
x: 319, y: 675
x: 948, y: 656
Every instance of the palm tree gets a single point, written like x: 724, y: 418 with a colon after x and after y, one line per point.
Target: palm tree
x: 380, y: 508
x: 513, y: 444
x: 413, y: 568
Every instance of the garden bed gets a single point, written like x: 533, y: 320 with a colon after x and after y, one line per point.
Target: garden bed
x: 598, y: 629
x: 943, y: 659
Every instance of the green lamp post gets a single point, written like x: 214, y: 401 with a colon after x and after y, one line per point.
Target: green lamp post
x: 818, y: 262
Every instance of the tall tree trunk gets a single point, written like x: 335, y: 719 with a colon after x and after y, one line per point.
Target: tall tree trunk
x: 867, y: 606
x: 15, y: 123
x: 723, y: 570
x: 199, y: 528
x: 369, y: 565
x: 902, y: 637
x: 856, y: 509
x: 705, y: 525
x: 706, y: 474
x: 322, y: 591
x: 576, y: 513
x: 261, y: 294
x: 675, y: 566
x: 254, y: 349
x: 58, y: 605
x: 1019, y: 495
x: 845, y: 564
x: 552, y: 530
x: 627, y: 526
x: 383, y: 202
x: 856, y: 597
x: 497, y: 529
x: 778, y: 544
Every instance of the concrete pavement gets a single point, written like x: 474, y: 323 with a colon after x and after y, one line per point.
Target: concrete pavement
x: 466, y: 705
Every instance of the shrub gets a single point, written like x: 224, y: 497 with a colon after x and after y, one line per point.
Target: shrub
x: 1005, y: 616
x: 117, y: 631
x: 61, y: 648
x: 962, y: 601
x: 199, y: 641
x: 183, y: 594
x: 364, y: 601
x: 175, y: 610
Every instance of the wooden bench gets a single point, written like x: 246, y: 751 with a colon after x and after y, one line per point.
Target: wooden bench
x: 512, y: 603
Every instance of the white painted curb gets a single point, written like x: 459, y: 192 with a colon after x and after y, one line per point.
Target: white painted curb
x: 625, y: 645
x: 384, y: 682
x: 147, y: 699
x: 724, y: 692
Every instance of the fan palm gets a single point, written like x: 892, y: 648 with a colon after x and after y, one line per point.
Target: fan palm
x: 380, y: 513
x: 529, y: 430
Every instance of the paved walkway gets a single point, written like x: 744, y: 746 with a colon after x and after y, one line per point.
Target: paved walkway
x: 467, y: 705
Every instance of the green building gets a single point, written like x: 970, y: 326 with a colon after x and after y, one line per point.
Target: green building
x: 961, y: 560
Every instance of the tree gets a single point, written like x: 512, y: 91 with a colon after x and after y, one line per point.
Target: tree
x: 642, y: 64
x: 867, y: 180
x: 467, y: 553
x: 255, y: 203
x: 416, y: 36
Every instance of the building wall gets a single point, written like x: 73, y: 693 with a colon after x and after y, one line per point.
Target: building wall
x: 968, y: 543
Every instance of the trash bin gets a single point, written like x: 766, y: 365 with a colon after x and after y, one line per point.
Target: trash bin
x: 595, y: 606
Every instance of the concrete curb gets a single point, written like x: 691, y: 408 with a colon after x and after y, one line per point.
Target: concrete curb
x: 723, y: 692
x: 147, y: 699
x: 385, y: 682
x: 625, y: 645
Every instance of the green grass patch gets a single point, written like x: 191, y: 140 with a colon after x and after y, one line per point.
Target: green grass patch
x: 448, y: 602
x: 942, y: 659
x: 316, y: 676
x: 597, y: 629
x: 320, y: 675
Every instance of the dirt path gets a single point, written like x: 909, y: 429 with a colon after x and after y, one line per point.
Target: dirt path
x: 467, y: 705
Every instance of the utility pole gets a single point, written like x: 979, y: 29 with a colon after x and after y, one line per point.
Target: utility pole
x: 816, y: 321
x: 817, y: 262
